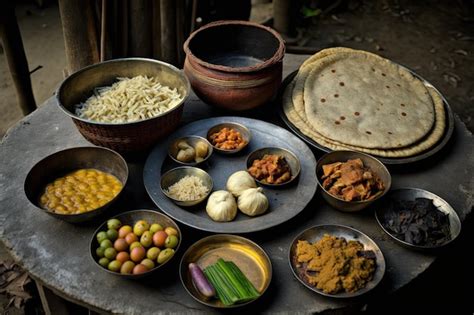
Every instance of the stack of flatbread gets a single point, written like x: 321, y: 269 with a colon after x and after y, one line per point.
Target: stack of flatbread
x: 346, y: 99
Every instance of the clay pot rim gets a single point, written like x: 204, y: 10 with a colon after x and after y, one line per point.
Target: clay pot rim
x: 277, y: 57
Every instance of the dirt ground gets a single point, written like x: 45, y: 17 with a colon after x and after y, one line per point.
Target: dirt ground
x: 435, y: 38
x: 43, y: 41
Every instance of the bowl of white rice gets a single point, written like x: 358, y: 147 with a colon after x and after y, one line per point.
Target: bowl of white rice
x: 186, y: 185
x: 125, y: 104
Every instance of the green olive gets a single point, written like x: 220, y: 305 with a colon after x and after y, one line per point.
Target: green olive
x: 149, y: 263
x: 140, y: 227
x: 104, y: 262
x: 127, y: 267
x: 146, y: 239
x: 115, y: 265
x: 112, y: 234
x: 153, y: 253
x: 171, y: 241
x: 110, y: 253
x: 171, y: 231
x: 114, y: 224
x: 106, y: 244
x: 155, y: 227
x: 101, y: 236
x: 165, y: 255
x: 100, y: 252
x: 135, y: 244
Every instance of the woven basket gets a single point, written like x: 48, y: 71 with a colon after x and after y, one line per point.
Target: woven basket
x: 127, y: 137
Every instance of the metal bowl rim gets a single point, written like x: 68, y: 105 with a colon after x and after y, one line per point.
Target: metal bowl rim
x: 293, y: 177
x: 60, y: 215
x: 211, y: 150
x: 132, y: 276
x: 119, y: 60
x: 410, y: 245
x: 198, y: 242
x: 186, y: 167
x: 386, y: 190
x: 338, y: 296
x: 247, y: 130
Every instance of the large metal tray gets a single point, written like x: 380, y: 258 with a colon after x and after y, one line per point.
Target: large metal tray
x: 285, y: 202
x: 405, y: 160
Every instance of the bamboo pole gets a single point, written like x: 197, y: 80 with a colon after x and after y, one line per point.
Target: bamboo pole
x: 80, y: 34
x: 168, y: 31
x: 140, y: 41
x: 180, y: 31
x: 107, y: 17
x: 123, y: 29
x: 16, y: 58
x: 156, y: 32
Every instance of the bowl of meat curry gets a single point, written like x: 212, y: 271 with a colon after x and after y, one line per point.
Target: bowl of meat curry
x: 351, y: 181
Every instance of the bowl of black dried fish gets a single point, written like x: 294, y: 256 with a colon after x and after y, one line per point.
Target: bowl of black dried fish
x: 418, y: 218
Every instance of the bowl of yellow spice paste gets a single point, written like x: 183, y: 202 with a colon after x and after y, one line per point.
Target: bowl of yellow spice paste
x: 77, y: 184
x: 336, y: 261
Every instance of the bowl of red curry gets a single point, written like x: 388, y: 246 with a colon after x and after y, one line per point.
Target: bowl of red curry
x: 351, y: 181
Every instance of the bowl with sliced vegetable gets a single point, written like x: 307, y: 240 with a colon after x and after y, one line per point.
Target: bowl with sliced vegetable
x: 190, y: 150
x: 225, y: 271
x: 186, y: 185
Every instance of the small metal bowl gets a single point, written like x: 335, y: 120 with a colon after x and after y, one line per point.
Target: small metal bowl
x: 192, y: 141
x: 247, y: 255
x: 130, y: 218
x: 290, y: 157
x: 315, y: 233
x: 174, y: 175
x: 412, y: 194
x: 60, y: 163
x: 342, y: 156
x: 244, y: 131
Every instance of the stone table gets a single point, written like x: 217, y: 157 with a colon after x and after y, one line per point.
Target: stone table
x: 56, y: 253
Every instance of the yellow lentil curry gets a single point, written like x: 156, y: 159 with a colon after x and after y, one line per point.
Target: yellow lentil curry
x: 80, y: 191
x: 333, y: 264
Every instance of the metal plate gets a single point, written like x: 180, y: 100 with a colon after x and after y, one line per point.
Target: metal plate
x: 315, y: 233
x: 248, y: 256
x: 412, y: 194
x: 283, y: 204
x: 404, y: 160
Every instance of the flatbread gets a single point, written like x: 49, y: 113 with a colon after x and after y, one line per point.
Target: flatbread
x: 360, y: 100
x: 431, y: 139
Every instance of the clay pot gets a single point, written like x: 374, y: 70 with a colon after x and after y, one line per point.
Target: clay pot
x: 235, y: 65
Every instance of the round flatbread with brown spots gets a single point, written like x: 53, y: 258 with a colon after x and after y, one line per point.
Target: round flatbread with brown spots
x: 427, y: 142
x: 360, y: 99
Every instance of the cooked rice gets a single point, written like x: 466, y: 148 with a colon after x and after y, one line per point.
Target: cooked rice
x: 188, y: 188
x: 128, y: 100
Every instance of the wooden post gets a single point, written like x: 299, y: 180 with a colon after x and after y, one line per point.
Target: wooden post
x: 168, y: 31
x: 16, y: 58
x: 156, y: 31
x: 284, y: 15
x: 140, y: 41
x: 80, y: 34
x: 180, y: 31
x: 122, y: 28
x: 106, y: 20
